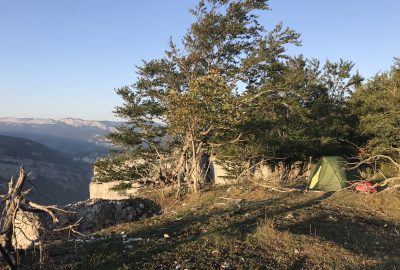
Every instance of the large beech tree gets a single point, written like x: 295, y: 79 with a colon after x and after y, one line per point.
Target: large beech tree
x: 230, y: 89
x: 190, y: 101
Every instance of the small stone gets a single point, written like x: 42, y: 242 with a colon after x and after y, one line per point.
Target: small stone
x: 289, y: 216
x: 133, y: 240
x: 225, y: 265
x: 166, y: 236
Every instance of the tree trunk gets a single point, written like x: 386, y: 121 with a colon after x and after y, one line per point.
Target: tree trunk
x: 12, y: 205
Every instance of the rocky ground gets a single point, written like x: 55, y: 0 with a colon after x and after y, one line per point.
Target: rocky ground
x: 271, y: 230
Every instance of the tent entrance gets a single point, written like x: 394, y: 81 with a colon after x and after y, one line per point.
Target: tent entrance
x: 315, y: 179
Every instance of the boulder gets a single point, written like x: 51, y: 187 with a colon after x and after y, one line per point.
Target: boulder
x: 99, y: 214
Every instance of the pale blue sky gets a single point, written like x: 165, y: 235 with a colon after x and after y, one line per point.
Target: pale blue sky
x: 63, y: 58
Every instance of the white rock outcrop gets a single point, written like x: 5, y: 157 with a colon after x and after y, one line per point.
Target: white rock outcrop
x: 105, y: 191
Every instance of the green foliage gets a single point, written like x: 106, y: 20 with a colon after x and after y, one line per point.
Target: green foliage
x: 302, y: 112
x: 209, y: 104
x: 122, y: 186
x: 231, y: 90
x: 119, y: 168
x: 377, y: 105
x: 192, y: 89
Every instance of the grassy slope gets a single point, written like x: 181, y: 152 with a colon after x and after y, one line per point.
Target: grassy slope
x: 272, y: 231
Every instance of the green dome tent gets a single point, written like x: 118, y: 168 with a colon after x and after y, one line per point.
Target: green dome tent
x: 329, y: 174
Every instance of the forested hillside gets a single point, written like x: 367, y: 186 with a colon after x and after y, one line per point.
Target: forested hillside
x: 55, y: 178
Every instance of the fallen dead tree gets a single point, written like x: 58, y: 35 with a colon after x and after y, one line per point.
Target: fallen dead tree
x: 25, y: 224
x: 20, y: 224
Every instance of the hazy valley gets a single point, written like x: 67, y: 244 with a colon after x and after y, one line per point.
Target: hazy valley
x: 58, y: 154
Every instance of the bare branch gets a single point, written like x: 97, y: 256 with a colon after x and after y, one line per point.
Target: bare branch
x: 230, y: 142
x: 375, y: 158
x: 71, y: 228
x: 44, y: 209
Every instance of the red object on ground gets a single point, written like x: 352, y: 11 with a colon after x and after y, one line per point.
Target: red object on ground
x: 366, y: 187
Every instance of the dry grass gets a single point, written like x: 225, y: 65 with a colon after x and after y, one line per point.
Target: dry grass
x: 272, y: 230
x: 308, y: 252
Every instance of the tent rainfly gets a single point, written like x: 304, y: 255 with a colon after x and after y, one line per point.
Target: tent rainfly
x: 329, y: 174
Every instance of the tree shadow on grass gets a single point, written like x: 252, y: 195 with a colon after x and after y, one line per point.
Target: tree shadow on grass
x: 255, y: 212
x: 363, y: 235
x: 192, y: 229
x: 197, y: 229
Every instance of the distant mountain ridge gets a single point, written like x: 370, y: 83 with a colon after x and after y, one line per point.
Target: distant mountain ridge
x: 69, y: 135
x: 74, y: 122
